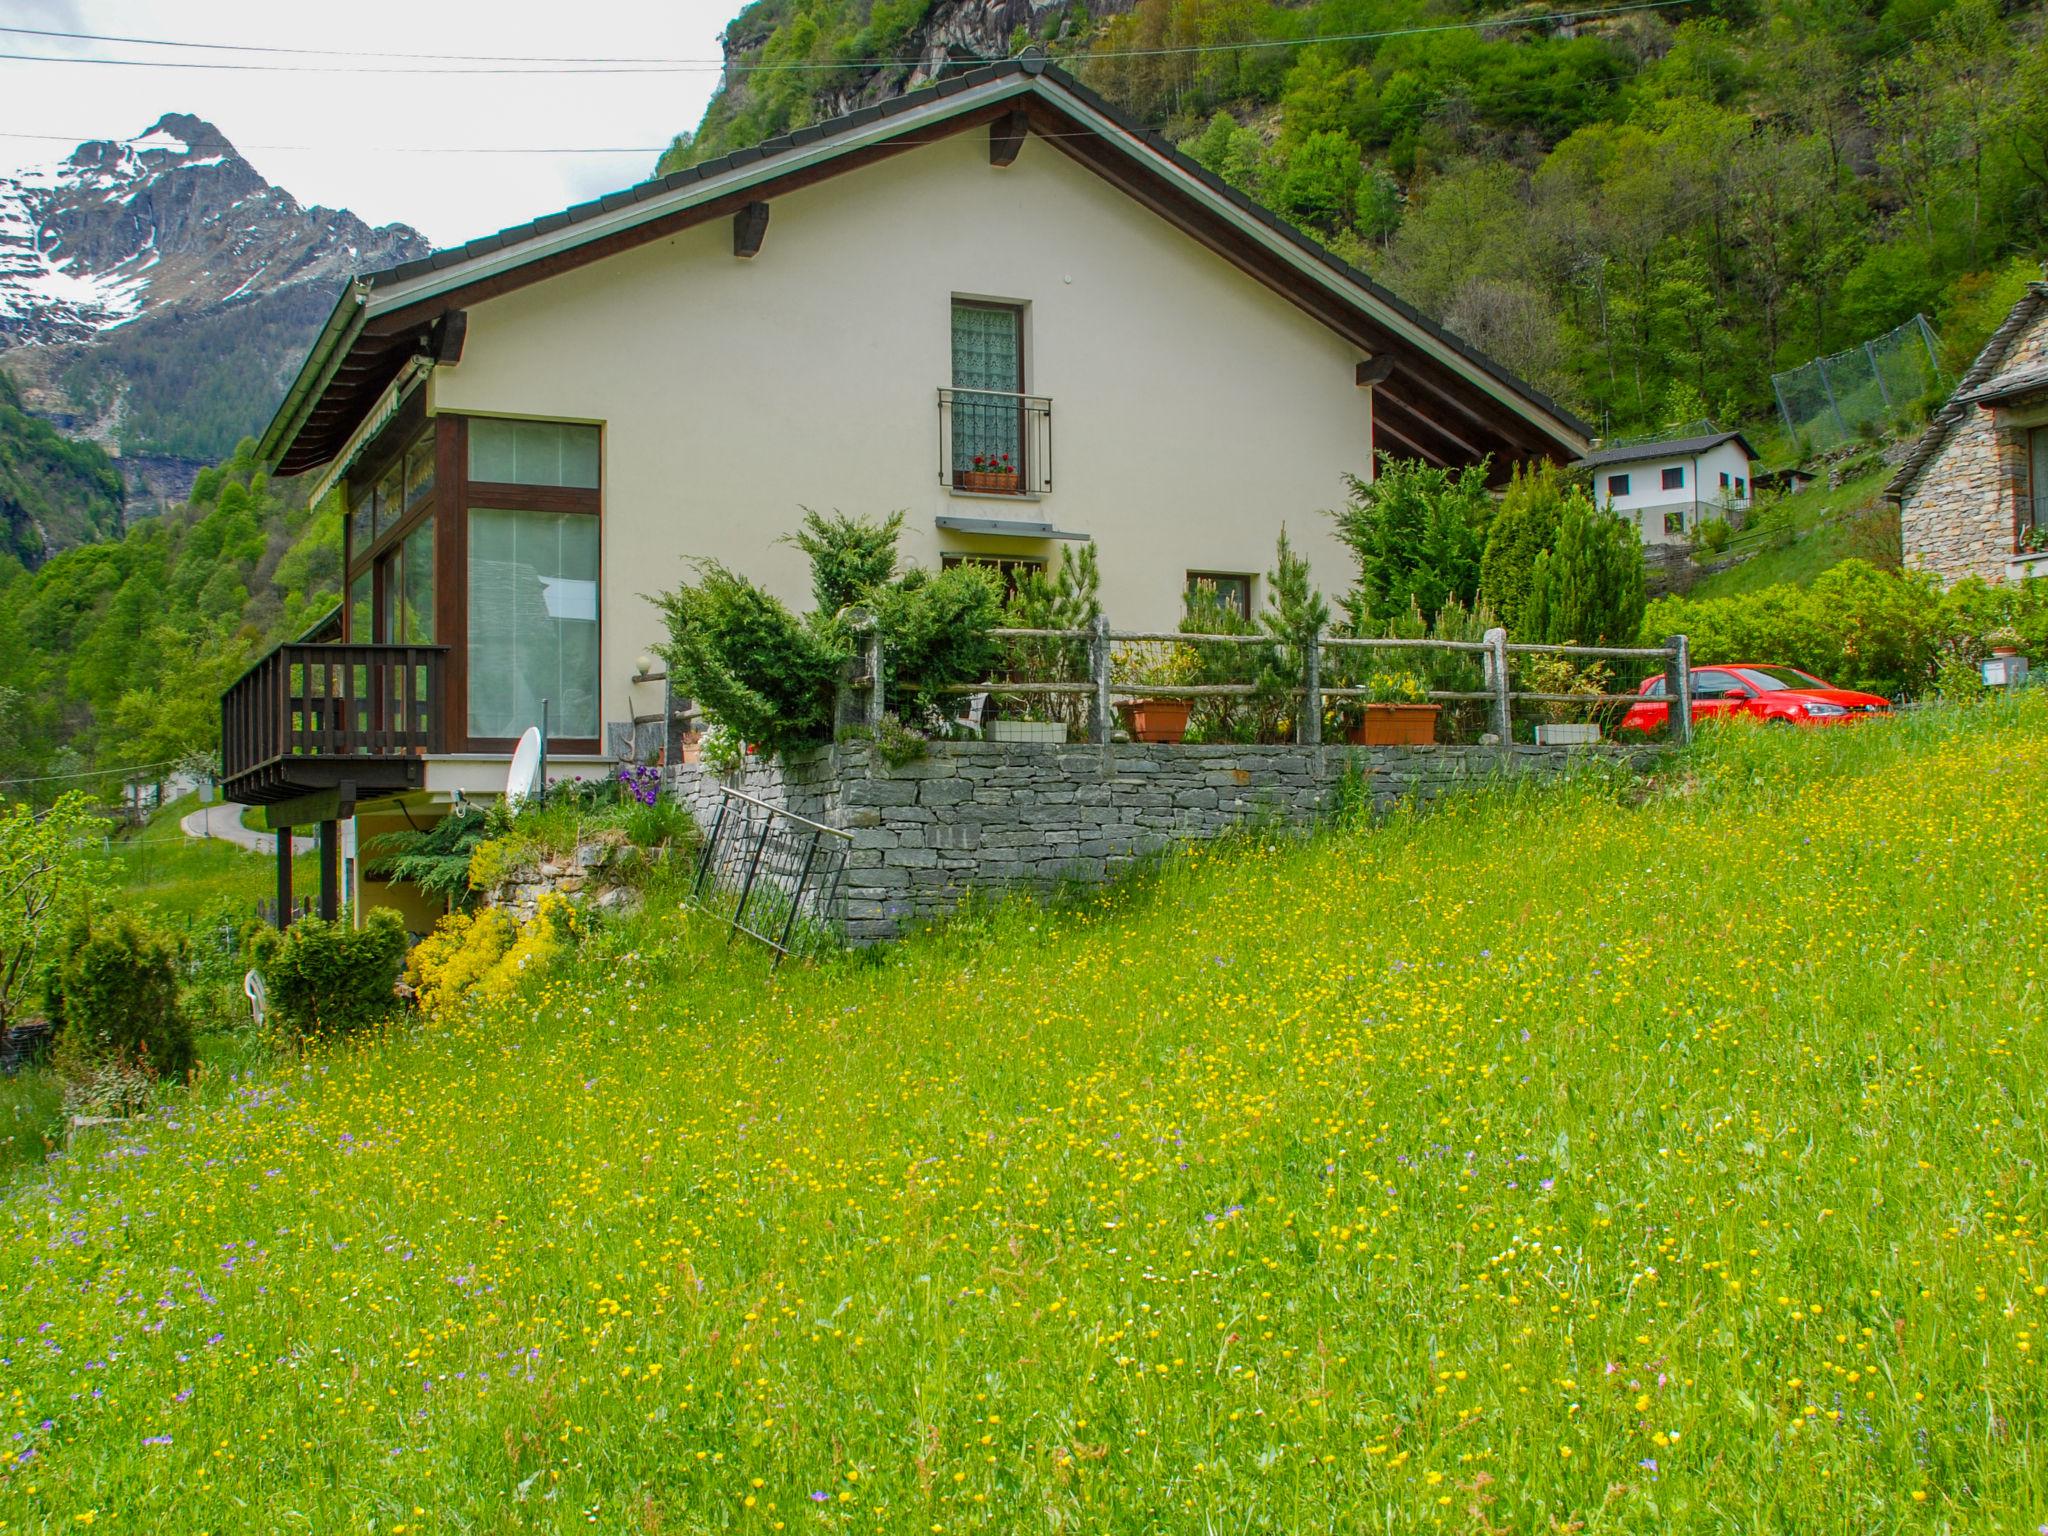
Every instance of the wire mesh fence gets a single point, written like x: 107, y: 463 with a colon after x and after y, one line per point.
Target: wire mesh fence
x: 1861, y: 391
x: 773, y: 875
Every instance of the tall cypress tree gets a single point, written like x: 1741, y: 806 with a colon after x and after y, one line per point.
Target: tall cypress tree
x: 1587, y: 588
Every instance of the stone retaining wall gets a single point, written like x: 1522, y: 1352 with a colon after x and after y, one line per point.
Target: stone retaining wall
x: 986, y: 814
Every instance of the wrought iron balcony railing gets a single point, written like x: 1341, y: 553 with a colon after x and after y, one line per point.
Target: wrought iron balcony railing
x: 993, y: 443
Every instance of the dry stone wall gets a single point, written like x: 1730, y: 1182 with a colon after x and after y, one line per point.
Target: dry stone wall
x: 993, y: 815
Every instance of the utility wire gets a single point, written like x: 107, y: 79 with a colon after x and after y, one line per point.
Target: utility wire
x: 97, y: 773
x: 659, y: 66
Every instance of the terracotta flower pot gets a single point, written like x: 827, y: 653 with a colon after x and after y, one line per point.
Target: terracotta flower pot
x: 989, y: 481
x: 1156, y: 719
x: 1397, y: 725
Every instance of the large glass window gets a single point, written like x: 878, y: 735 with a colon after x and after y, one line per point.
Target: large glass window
x: 988, y: 378
x: 533, y: 453
x: 409, y: 588
x: 419, y: 472
x: 533, y: 600
x: 359, y: 610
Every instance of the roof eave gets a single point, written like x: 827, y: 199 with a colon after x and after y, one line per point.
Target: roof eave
x: 324, y: 358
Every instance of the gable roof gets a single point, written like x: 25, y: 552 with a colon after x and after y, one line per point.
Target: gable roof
x: 1979, y: 385
x: 1664, y: 448
x: 1443, y: 399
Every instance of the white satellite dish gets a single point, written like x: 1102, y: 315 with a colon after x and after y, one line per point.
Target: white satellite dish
x: 523, y: 782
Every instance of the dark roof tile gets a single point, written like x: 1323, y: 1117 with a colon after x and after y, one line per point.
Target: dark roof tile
x: 1662, y: 448
x: 1987, y: 363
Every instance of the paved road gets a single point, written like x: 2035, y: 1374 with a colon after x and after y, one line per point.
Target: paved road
x: 225, y: 823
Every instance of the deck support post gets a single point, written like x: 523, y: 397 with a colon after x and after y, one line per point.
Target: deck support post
x: 330, y: 870
x: 283, y: 838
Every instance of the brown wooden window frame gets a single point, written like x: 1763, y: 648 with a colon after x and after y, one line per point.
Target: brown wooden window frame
x: 409, y: 429
x: 459, y: 493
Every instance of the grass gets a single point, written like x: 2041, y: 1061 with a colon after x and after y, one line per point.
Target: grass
x: 1583, y: 1159
x: 1820, y: 523
x: 186, y: 877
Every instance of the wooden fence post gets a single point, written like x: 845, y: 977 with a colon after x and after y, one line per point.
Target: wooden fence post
x: 1103, y: 725
x: 877, y: 697
x: 1308, y: 730
x: 1678, y: 689
x: 1501, y: 706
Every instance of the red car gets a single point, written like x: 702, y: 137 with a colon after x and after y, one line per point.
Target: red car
x: 1781, y: 695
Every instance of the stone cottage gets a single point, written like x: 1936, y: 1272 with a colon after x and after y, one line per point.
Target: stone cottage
x: 1973, y: 493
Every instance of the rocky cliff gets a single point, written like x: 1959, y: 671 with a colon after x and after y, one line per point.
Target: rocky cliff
x: 155, y: 292
x: 916, y: 41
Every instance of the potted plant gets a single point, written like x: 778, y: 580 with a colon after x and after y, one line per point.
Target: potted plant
x: 994, y: 473
x: 1023, y: 721
x: 1155, y: 664
x: 2004, y: 641
x: 1565, y: 723
x: 1397, y: 712
x: 2033, y: 539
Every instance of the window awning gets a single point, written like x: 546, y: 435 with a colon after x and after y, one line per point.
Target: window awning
x: 1008, y: 528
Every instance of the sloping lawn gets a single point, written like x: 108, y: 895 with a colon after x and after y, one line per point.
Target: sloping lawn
x: 190, y: 877
x: 1569, y: 1160
x: 1822, y: 536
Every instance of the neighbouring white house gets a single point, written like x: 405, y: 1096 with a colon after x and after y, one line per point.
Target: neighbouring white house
x: 1669, y: 487
x: 993, y: 303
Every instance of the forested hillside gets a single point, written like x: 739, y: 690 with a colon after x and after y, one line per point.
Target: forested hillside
x: 1647, y: 212
x: 53, y: 492
x: 116, y: 653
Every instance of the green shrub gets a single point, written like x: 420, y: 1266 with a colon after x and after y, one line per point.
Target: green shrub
x: 1856, y: 626
x: 1713, y: 535
x: 49, y: 877
x: 749, y: 662
x: 1526, y: 524
x: 437, y: 859
x: 331, y: 978
x: 1587, y: 588
x: 850, y: 557
x: 935, y: 634
x: 1416, y: 533
x: 113, y: 998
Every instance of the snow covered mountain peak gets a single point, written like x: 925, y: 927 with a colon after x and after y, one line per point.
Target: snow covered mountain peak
x: 173, y: 218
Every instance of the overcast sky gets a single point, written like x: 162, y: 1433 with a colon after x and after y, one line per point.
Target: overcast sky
x: 331, y: 131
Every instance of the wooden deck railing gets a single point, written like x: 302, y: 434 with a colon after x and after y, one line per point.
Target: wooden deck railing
x: 337, y: 701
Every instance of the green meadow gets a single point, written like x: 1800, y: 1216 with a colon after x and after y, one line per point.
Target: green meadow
x: 1611, y: 1157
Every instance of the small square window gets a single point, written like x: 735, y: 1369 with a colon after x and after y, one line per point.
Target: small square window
x: 1617, y: 485
x: 1674, y: 522
x: 1724, y: 479
x: 1231, y: 591
x: 1674, y: 478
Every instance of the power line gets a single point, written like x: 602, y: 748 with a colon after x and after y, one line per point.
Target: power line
x: 97, y: 773
x: 337, y: 53
x: 379, y: 149
x: 489, y: 65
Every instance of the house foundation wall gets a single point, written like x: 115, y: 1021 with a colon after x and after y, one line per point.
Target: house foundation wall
x: 983, y: 815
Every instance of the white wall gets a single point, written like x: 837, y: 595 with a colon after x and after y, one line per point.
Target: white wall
x: 1193, y: 411
x: 1701, y: 496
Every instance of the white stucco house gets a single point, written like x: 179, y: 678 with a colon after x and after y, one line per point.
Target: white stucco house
x: 1669, y: 487
x: 993, y: 303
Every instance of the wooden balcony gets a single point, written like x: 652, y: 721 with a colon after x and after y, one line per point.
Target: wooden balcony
x: 312, y: 718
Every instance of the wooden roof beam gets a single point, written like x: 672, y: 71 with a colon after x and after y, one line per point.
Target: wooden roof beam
x: 1006, y: 137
